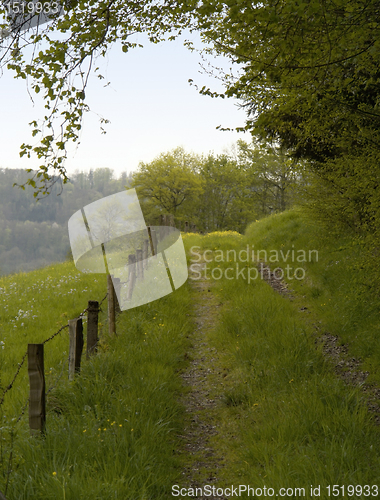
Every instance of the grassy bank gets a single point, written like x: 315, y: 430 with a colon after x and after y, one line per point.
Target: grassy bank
x: 336, y: 289
x: 112, y: 432
x: 285, y: 419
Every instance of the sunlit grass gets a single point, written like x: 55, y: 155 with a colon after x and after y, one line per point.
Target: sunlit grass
x: 335, y: 289
x: 286, y: 420
x: 111, y: 432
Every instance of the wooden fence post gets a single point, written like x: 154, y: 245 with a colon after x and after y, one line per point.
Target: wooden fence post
x: 145, y: 253
x: 117, y: 287
x: 92, y: 326
x: 36, y: 372
x: 76, y: 346
x: 153, y: 240
x: 111, y: 306
x: 132, y: 275
x: 186, y: 227
x: 140, y: 270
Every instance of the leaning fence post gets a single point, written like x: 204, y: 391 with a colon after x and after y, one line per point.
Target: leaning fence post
x: 111, y: 305
x: 153, y: 240
x: 117, y: 287
x: 36, y: 372
x: 132, y: 275
x: 76, y: 346
x: 145, y: 253
x: 140, y: 271
x: 92, y: 326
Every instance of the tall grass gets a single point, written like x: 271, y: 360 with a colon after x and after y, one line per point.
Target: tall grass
x: 285, y: 419
x: 111, y: 433
x: 336, y: 287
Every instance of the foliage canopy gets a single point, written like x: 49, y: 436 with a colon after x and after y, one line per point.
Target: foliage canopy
x: 307, y: 73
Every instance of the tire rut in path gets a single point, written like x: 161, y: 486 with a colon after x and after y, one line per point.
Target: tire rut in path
x: 201, y: 379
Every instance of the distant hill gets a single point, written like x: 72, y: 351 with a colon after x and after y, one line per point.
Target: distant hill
x: 34, y: 234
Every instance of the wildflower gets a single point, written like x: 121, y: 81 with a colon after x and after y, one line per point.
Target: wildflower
x: 54, y: 473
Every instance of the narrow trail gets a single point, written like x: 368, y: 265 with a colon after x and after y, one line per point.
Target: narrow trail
x: 202, y: 378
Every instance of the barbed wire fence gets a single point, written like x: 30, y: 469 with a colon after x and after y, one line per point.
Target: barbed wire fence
x: 113, y: 307
x: 8, y: 463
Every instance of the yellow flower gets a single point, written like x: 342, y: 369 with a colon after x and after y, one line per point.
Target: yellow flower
x: 54, y: 473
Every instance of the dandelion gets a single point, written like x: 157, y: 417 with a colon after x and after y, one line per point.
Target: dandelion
x: 54, y: 473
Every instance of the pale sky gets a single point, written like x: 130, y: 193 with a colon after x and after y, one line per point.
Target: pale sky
x: 150, y: 104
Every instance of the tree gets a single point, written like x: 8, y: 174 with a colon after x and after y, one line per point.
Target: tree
x: 274, y: 177
x: 227, y: 201
x: 310, y: 81
x: 170, y: 184
x: 308, y: 76
x: 57, y: 59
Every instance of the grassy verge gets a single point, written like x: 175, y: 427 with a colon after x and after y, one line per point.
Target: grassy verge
x: 112, y: 432
x: 335, y: 288
x: 285, y: 420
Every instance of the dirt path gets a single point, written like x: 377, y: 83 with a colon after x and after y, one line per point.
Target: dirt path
x: 202, y: 379
x: 346, y: 367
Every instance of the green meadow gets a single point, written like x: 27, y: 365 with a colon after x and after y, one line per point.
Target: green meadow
x: 285, y: 419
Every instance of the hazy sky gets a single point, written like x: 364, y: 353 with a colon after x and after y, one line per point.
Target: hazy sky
x: 150, y: 104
